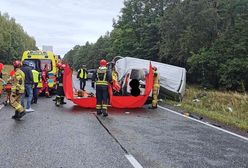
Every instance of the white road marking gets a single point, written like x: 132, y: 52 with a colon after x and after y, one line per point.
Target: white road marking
x: 223, y: 130
x: 1, y: 106
x: 133, y: 161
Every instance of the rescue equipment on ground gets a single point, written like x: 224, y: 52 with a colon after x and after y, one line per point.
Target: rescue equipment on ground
x: 5, y: 91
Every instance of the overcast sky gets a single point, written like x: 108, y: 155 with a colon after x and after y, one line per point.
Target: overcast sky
x: 63, y: 23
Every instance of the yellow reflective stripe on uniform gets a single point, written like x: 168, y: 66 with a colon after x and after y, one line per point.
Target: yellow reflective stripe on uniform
x: 101, y: 82
x: 104, y: 106
x: 98, y: 106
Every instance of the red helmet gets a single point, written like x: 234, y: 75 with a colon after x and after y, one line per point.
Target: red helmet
x: 59, y: 65
x: 17, y: 64
x: 154, y: 68
x: 103, y: 62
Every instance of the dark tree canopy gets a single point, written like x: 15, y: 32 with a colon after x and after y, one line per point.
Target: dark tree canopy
x: 13, y: 39
x: 207, y: 37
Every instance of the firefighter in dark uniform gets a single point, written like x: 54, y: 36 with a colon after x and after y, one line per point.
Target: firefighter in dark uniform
x: 102, y: 78
x: 60, y: 90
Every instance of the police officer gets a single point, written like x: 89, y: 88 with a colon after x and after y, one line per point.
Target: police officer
x: 36, y: 79
x: 60, y: 90
x: 155, y: 89
x: 102, y: 78
x: 82, y: 76
x: 17, y: 90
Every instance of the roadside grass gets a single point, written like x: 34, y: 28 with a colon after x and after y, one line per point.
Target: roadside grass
x: 229, y: 108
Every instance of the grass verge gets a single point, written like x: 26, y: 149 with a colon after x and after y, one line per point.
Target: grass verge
x: 229, y: 108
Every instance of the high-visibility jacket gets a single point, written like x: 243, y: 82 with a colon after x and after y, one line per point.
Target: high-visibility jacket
x: 18, y: 81
x: 82, y: 73
x: 36, y: 76
x: 103, y: 76
x: 44, y: 75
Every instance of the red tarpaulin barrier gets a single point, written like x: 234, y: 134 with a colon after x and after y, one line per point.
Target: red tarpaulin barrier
x: 115, y: 101
x: 1, y: 66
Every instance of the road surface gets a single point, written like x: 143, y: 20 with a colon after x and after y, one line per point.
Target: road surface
x: 72, y: 137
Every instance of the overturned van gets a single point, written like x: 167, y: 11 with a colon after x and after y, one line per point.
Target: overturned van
x: 172, y: 78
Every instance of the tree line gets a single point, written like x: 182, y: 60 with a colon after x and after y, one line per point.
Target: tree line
x: 13, y: 40
x: 207, y: 37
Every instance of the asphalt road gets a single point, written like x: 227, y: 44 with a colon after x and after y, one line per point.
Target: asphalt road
x: 72, y: 137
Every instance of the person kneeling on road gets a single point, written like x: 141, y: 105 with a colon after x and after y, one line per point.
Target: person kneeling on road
x: 17, y: 90
x: 60, y: 90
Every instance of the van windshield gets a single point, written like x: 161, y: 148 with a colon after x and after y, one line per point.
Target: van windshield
x: 40, y: 63
x: 138, y: 74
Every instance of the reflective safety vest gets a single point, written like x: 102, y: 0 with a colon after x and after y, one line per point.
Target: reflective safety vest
x: 101, y: 76
x: 83, y: 74
x: 35, y: 76
x: 18, y: 81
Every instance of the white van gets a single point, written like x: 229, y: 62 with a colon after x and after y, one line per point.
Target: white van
x: 134, y: 74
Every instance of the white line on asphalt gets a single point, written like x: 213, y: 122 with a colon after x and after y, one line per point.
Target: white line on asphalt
x: 1, y: 106
x: 221, y: 129
x: 133, y: 161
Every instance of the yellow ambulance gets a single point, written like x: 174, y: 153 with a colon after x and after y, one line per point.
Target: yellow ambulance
x: 40, y: 59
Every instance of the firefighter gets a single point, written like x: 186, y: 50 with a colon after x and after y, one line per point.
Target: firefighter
x: 36, y: 79
x: 102, y: 78
x: 44, y: 78
x: 115, y: 84
x: 17, y: 90
x: 60, y: 90
x: 155, y: 89
x: 82, y: 76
